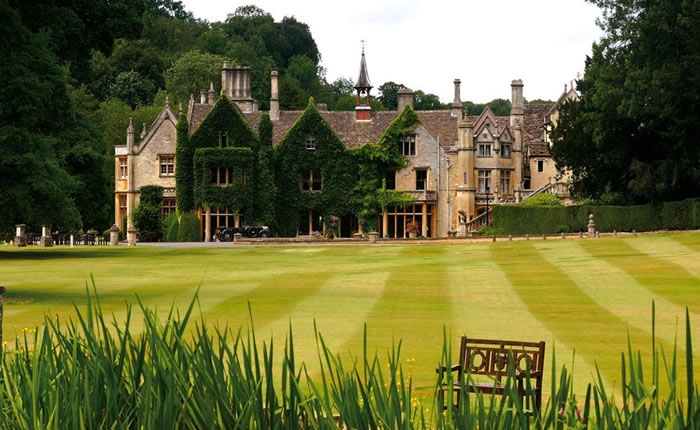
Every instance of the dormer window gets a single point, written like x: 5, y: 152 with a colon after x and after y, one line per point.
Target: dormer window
x: 223, y: 141
x: 484, y: 150
x: 310, y: 143
x: 407, y: 144
x: 506, y: 150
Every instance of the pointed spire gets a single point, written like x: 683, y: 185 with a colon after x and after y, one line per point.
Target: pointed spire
x: 143, y: 131
x: 363, y: 82
x: 130, y: 129
x: 167, y: 101
x: 179, y: 109
x: 212, y: 93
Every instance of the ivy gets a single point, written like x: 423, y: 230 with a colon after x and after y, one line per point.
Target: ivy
x: 330, y: 157
x: 265, y: 177
x: 224, y: 119
x: 235, y: 197
x: 151, y: 195
x: 184, y: 179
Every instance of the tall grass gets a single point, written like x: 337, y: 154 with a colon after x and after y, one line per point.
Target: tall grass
x: 179, y: 374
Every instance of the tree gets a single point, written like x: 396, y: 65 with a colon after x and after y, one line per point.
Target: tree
x: 131, y: 88
x: 34, y: 188
x: 76, y: 27
x: 633, y: 136
x: 192, y: 71
x: 389, y: 96
x: 423, y: 101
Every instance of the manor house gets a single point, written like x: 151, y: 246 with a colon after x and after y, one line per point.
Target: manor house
x: 457, y: 166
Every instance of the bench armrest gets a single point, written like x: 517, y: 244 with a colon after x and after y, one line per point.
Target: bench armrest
x: 454, y: 368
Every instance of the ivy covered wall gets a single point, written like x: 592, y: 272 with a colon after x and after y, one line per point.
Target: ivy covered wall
x: 239, y: 194
x: 292, y: 160
x: 352, y: 180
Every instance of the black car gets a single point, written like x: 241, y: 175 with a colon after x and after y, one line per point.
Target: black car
x: 225, y: 234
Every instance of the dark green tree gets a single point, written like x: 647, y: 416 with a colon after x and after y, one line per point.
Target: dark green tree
x: 633, y: 137
x: 389, y: 96
x: 184, y: 175
x: 35, y: 188
x: 191, y: 72
x: 423, y: 101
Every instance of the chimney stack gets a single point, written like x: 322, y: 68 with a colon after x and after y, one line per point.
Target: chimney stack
x: 130, y: 136
x: 274, y: 96
x: 517, y: 101
x: 456, y: 110
x: 404, y: 98
x: 212, y: 93
x: 203, y: 95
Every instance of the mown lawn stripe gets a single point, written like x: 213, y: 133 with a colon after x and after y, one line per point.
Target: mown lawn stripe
x: 661, y: 276
x: 558, y: 303
x: 618, y: 292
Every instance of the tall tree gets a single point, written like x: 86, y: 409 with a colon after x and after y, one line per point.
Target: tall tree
x: 34, y: 188
x: 634, y: 134
x: 389, y: 96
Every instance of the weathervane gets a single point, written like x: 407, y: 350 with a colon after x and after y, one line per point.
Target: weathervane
x: 364, y: 43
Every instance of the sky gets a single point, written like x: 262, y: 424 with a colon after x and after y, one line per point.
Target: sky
x: 427, y: 44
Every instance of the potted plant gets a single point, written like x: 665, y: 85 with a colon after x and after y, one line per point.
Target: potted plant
x: 413, y: 228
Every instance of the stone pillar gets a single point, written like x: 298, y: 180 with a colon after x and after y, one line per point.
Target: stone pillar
x: 373, y: 236
x: 385, y: 224
x: 20, y: 236
x: 131, y: 235
x: 46, y: 239
x: 237, y: 220
x: 237, y: 237
x: 212, y: 94
x: 456, y: 111
x: 114, y: 235
x: 207, y: 225
x: 424, y: 221
x: 591, y: 227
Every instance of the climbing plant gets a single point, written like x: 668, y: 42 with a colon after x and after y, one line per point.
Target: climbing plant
x: 293, y: 160
x: 266, y: 191
x: 184, y: 179
x: 238, y: 194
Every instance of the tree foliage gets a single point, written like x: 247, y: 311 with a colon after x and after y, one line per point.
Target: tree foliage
x: 633, y: 137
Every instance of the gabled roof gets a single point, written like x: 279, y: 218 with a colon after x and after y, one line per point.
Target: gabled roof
x: 166, y: 113
x: 566, y: 95
x: 352, y: 133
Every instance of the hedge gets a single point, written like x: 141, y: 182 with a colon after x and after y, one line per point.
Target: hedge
x: 513, y: 219
x: 189, y: 228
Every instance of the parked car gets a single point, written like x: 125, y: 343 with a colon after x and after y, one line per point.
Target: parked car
x: 225, y: 234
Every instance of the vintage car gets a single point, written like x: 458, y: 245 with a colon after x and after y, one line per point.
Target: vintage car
x: 225, y: 234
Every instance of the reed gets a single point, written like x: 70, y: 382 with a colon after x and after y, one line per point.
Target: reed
x: 90, y: 372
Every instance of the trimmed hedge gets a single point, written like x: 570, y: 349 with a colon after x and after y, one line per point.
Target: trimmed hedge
x: 188, y: 230
x: 512, y: 219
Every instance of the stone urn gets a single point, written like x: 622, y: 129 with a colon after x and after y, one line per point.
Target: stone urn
x: 591, y: 227
x: 412, y: 235
x: 373, y: 236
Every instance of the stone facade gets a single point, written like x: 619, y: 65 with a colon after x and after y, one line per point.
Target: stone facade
x: 460, y: 163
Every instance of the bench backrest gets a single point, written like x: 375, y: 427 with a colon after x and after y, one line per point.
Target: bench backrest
x: 491, y: 356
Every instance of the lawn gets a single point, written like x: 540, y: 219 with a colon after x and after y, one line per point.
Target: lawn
x: 582, y: 295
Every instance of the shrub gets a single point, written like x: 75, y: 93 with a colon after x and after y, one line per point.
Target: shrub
x: 541, y: 199
x: 147, y: 218
x: 169, y: 228
x: 188, y: 230
x: 151, y: 195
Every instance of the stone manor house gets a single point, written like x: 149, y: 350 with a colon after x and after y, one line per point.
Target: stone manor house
x: 457, y: 165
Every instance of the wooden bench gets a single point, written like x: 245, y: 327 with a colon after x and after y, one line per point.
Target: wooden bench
x: 491, y: 358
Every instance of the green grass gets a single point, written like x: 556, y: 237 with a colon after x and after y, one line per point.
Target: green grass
x: 576, y: 295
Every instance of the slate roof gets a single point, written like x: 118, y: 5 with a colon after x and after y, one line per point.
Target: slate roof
x: 533, y: 128
x: 356, y: 133
x: 352, y: 133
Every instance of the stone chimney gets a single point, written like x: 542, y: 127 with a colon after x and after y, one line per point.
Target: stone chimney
x: 130, y: 136
x: 404, y: 98
x: 456, y: 110
x: 203, y: 95
x: 212, y: 93
x: 235, y: 83
x: 517, y: 101
x: 274, y: 96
